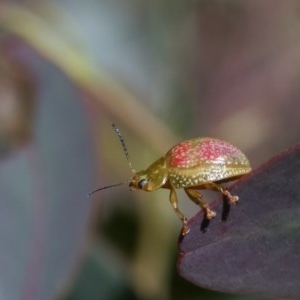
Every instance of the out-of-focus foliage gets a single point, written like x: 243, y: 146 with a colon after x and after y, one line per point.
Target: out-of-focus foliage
x: 162, y: 71
x: 16, y: 105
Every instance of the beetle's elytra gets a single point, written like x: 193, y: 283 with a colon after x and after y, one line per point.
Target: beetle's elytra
x: 195, y: 164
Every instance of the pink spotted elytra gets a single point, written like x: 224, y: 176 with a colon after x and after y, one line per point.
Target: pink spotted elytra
x: 195, y: 164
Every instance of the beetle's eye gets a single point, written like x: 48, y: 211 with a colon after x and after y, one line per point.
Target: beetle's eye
x: 142, y: 182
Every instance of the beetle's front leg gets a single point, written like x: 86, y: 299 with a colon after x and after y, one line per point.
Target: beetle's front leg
x: 198, y: 198
x: 181, y: 216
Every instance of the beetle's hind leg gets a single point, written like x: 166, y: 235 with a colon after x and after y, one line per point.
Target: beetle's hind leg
x: 232, y: 199
x: 198, y: 198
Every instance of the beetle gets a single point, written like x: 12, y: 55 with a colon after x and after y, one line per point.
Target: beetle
x: 194, y: 164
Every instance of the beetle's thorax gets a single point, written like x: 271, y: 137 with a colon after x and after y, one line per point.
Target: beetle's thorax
x: 152, y: 178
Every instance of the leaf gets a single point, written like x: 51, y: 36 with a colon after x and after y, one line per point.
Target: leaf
x: 43, y: 205
x: 257, y: 250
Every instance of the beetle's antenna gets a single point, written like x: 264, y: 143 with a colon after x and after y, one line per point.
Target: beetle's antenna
x: 118, y: 132
x: 105, y: 187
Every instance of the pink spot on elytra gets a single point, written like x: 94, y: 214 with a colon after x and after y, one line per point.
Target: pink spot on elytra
x: 180, y: 154
x: 212, y: 149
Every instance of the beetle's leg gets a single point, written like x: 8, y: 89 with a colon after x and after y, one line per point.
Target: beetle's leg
x: 231, y: 198
x: 181, y: 216
x: 198, y: 198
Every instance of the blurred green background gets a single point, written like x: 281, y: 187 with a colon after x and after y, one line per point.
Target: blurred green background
x: 163, y: 71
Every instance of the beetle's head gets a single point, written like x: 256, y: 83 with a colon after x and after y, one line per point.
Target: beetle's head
x: 139, y: 181
x: 151, y: 179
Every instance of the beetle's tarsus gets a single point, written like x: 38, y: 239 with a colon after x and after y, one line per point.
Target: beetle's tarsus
x: 209, y: 214
x: 231, y: 198
x: 185, y: 228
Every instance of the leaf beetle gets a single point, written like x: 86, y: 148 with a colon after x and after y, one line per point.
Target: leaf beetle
x: 195, y: 164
